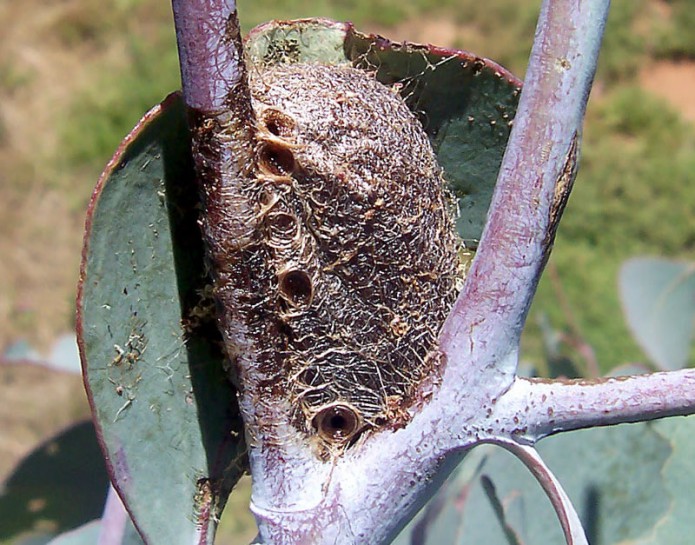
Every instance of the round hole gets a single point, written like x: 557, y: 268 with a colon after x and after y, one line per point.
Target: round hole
x: 282, y: 223
x: 337, y: 422
x: 296, y: 287
x: 275, y: 159
x: 279, y: 123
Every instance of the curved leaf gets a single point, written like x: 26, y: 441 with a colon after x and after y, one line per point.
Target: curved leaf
x: 616, y: 477
x: 658, y: 298
x: 165, y: 413
x: 67, y: 466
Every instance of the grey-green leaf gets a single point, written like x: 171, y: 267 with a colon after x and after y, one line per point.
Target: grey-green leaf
x: 68, y: 465
x: 618, y: 479
x: 658, y: 298
x: 165, y: 412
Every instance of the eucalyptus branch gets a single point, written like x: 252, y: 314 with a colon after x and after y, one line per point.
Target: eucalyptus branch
x: 223, y: 145
x: 536, y: 408
x: 534, y: 182
x: 217, y: 95
x: 221, y: 123
x: 210, y: 52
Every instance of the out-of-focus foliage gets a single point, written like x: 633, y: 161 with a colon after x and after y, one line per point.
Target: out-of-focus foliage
x: 632, y: 483
x: 659, y: 301
x: 60, y: 485
x: 675, y: 39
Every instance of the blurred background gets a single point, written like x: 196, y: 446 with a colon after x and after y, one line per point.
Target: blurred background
x: 76, y: 75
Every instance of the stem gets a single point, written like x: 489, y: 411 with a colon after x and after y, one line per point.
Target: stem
x: 535, y: 408
x: 113, y: 521
x: 210, y: 52
x: 216, y: 92
x: 222, y: 127
x: 534, y: 182
x: 222, y: 124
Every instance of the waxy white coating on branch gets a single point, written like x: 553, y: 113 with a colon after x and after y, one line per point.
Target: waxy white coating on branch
x: 535, y: 408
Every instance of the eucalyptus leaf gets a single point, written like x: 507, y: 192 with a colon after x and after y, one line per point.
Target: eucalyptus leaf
x: 166, y: 414
x: 62, y: 484
x: 63, y: 355
x: 658, y: 298
x: 620, y: 479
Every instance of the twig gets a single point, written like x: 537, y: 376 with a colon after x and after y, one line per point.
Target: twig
x: 221, y: 122
x: 217, y: 95
x: 534, y: 182
x: 535, y: 408
x: 210, y: 53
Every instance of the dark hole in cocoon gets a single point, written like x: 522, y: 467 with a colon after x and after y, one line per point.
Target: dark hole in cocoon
x: 276, y: 159
x: 336, y: 422
x: 279, y: 123
x: 282, y: 224
x: 296, y: 287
